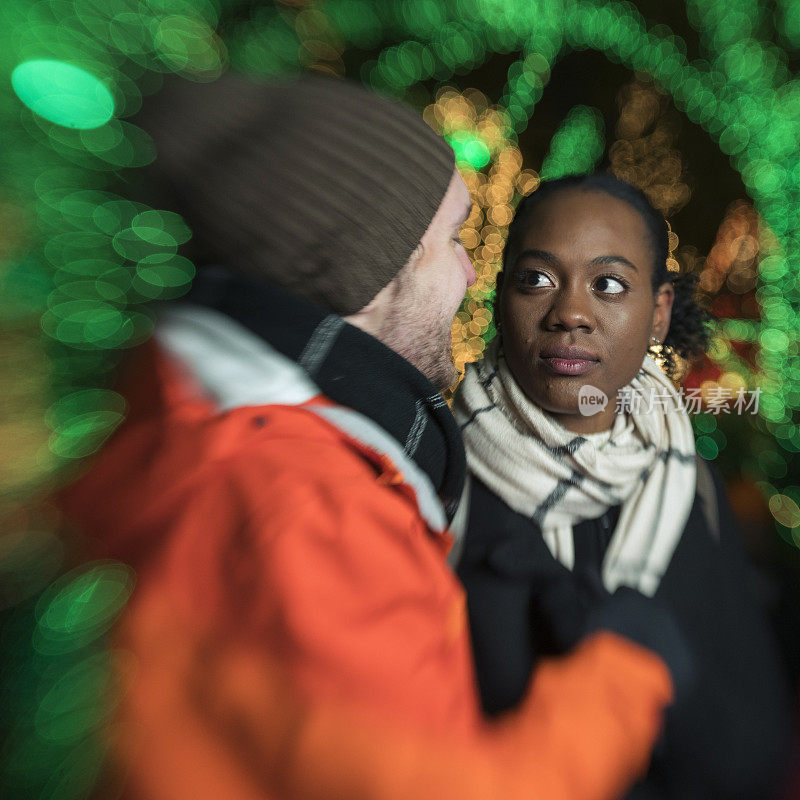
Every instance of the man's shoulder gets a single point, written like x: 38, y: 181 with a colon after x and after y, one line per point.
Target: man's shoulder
x: 300, y: 452
x: 297, y: 478
x: 291, y: 435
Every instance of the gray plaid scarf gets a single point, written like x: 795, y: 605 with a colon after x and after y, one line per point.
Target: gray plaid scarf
x: 646, y: 462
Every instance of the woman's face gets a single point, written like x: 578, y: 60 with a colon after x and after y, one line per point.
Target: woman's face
x: 576, y: 304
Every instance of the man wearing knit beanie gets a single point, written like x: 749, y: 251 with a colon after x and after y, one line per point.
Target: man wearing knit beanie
x: 287, y: 473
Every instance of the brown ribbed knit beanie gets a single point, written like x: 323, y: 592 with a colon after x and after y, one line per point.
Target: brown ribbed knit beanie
x: 315, y: 183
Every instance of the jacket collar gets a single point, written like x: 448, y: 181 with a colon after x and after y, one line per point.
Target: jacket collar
x: 351, y: 368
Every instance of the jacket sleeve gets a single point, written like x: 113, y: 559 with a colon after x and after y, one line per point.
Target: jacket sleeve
x: 312, y: 644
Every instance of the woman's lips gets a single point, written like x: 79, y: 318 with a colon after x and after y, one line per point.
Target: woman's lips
x: 569, y: 366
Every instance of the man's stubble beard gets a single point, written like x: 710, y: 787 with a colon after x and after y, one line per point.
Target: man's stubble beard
x: 420, y: 336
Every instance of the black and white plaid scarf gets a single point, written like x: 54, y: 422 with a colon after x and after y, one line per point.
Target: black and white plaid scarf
x: 646, y: 462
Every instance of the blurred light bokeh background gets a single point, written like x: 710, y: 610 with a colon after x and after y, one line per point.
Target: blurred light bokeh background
x: 697, y: 102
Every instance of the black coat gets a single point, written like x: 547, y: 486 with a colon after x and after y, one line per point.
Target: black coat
x: 728, y: 739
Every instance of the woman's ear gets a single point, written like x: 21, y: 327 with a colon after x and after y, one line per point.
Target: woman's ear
x: 662, y: 313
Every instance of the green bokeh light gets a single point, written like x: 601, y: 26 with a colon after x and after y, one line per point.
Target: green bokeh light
x: 78, y: 701
x: 577, y: 145
x: 470, y: 149
x: 63, y: 93
x: 82, y: 605
x: 707, y: 448
x: 81, y: 420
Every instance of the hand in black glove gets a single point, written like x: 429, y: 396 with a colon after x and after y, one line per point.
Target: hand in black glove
x: 645, y: 621
x: 561, y: 600
x: 571, y: 605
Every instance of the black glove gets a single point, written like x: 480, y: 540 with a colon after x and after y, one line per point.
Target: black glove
x: 571, y: 605
x: 561, y: 600
x: 645, y: 621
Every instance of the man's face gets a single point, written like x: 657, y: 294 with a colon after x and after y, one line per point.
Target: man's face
x: 428, y: 291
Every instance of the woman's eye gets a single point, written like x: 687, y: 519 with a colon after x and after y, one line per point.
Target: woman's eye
x: 532, y: 279
x: 609, y: 285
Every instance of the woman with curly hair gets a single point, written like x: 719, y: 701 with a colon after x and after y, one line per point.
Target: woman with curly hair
x: 585, y: 479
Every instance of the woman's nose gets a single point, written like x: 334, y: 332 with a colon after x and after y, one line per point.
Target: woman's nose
x: 570, y: 309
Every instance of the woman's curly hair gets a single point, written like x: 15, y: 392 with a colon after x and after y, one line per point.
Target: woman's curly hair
x: 689, y: 332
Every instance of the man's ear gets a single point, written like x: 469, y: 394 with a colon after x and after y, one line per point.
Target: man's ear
x: 371, y: 316
x: 367, y: 310
x: 367, y: 317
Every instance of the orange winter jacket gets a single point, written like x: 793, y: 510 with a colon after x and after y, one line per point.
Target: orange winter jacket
x: 295, y: 631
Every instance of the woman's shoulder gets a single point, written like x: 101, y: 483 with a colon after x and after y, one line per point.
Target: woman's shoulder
x: 712, y: 538
x: 710, y: 493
